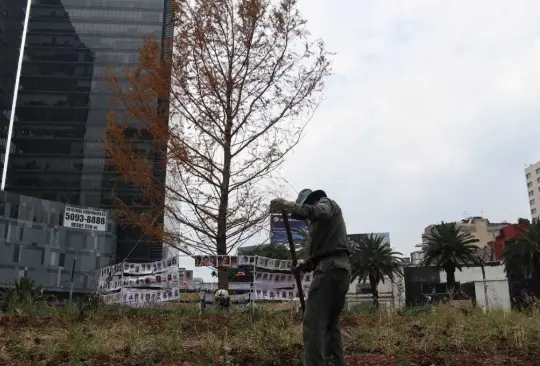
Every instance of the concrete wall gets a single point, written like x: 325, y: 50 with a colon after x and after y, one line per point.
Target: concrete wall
x: 498, y: 294
x: 391, y: 294
x: 475, y: 274
x: 496, y: 281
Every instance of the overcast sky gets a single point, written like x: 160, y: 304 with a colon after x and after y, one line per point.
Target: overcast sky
x: 432, y: 112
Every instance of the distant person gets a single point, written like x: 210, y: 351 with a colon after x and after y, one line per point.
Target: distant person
x: 329, y: 252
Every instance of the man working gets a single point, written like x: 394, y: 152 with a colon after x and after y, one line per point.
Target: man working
x: 329, y: 251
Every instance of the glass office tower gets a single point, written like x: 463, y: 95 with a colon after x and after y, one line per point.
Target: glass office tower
x: 64, y: 99
x: 11, y: 29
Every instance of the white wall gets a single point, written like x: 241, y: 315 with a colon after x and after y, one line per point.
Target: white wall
x: 498, y: 294
x: 475, y: 274
x: 389, y: 294
x: 497, y: 285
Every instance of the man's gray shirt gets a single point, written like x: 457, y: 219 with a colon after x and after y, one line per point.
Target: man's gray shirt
x: 328, y: 233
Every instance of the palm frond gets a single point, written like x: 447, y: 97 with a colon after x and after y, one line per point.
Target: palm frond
x: 374, y: 258
x: 522, y: 255
x: 445, y: 246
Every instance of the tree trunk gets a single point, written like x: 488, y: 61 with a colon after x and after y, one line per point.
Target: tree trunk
x: 451, y: 282
x: 375, y: 293
x: 223, y: 279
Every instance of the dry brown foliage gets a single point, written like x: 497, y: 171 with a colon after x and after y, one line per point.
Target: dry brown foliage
x: 219, y: 114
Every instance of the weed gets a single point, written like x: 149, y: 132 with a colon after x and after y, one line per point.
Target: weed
x: 118, y: 335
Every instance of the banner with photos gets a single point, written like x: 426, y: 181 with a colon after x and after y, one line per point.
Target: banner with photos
x: 156, y: 274
x: 140, y: 268
x: 276, y: 294
x: 221, y: 261
x: 273, y: 279
x: 158, y: 280
x: 243, y: 260
x: 141, y: 297
x: 276, y: 279
x: 151, y: 268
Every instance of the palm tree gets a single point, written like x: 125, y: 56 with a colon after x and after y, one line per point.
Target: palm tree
x: 374, y: 259
x: 447, y: 248
x: 522, y: 255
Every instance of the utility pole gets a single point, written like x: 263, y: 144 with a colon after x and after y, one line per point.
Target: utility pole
x: 485, y: 286
x: 71, y: 282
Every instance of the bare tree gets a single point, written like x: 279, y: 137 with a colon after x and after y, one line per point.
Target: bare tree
x: 225, y: 108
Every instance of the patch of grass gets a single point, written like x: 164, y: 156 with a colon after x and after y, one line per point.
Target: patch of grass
x: 117, y: 335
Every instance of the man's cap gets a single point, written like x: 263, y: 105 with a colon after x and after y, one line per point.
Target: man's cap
x: 307, y: 196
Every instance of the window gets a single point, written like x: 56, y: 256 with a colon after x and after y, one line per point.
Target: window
x: 532, y: 202
x: 537, y: 180
x: 533, y: 211
x: 6, y: 233
x: 538, y: 171
x: 531, y: 193
x: 528, y: 175
x: 16, y: 253
x: 62, y: 260
x: 529, y: 184
x: 14, y: 211
x: 21, y: 234
x: 54, y: 255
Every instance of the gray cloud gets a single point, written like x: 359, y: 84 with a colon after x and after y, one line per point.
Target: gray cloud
x: 432, y: 111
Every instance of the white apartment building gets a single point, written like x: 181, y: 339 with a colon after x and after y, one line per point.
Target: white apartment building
x: 532, y: 177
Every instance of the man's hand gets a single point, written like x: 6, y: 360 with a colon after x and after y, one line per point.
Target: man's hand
x: 279, y: 205
x: 302, y: 266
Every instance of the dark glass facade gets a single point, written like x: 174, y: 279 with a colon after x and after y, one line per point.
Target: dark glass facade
x: 12, y: 14
x: 64, y: 100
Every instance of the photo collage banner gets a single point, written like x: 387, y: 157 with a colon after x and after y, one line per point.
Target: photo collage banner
x: 162, y: 274
x: 273, y: 279
x: 275, y: 294
x: 279, y: 280
x: 133, y: 296
x: 242, y: 260
x: 137, y: 284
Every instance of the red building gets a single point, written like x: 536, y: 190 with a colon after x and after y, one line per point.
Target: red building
x: 511, y: 231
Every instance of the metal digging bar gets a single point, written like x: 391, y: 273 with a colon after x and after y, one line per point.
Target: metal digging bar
x: 294, y: 261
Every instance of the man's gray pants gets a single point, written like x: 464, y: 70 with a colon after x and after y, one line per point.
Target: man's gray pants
x: 326, y: 299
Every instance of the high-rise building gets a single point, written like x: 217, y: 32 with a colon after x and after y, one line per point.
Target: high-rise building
x: 532, y: 177
x: 12, y: 14
x: 64, y: 99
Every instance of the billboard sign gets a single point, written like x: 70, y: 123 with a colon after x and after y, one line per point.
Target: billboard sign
x: 278, y: 234
x: 85, y: 218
